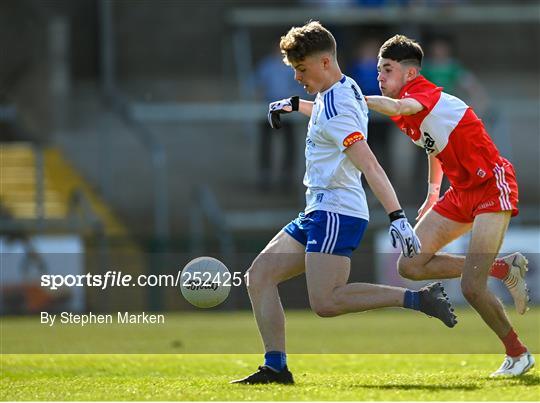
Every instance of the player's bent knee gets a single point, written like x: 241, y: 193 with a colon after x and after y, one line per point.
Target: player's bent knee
x: 408, y: 268
x: 324, y: 309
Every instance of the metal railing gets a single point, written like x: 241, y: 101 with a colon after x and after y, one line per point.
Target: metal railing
x: 119, y: 104
x: 204, y: 209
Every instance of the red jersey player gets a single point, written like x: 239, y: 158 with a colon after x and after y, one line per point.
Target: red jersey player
x: 482, y: 197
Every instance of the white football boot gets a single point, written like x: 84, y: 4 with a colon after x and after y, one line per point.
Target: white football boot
x: 515, y: 366
x: 515, y: 280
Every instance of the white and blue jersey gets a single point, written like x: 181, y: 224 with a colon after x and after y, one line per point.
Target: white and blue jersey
x: 336, y: 212
x: 339, y: 117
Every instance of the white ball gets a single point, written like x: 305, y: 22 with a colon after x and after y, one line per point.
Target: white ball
x: 205, y: 282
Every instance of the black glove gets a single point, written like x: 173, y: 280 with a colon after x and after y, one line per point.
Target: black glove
x: 276, y: 108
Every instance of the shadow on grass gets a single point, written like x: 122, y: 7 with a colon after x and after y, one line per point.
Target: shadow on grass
x: 406, y: 386
x: 525, y: 380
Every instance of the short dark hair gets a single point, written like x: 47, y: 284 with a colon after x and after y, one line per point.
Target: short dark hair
x: 403, y: 50
x: 301, y: 42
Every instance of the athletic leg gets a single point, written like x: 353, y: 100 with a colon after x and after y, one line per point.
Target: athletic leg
x: 330, y: 295
x: 280, y: 260
x: 487, y: 236
x: 434, y: 232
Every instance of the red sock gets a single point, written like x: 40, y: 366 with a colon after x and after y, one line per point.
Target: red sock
x: 514, y: 346
x: 499, y: 269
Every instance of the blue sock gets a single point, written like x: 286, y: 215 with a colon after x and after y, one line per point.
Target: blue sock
x: 275, y: 360
x: 411, y: 300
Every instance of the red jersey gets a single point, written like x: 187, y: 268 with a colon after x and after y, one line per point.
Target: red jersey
x: 450, y: 129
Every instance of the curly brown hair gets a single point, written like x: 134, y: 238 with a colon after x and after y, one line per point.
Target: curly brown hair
x: 402, y: 50
x: 301, y: 42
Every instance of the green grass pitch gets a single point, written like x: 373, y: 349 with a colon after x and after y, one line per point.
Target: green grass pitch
x: 385, y: 355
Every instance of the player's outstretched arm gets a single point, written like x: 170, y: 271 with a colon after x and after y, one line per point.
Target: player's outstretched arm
x: 435, y: 175
x: 305, y: 107
x: 393, y: 107
x: 287, y: 105
x: 400, y: 231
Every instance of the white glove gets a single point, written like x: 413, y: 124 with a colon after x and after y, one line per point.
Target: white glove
x: 278, y: 107
x: 402, y: 232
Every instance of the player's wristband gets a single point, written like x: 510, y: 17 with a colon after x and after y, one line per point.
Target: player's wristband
x: 395, y: 215
x: 295, y: 102
x: 434, y: 189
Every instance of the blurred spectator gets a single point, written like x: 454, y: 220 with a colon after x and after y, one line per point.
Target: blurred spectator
x: 363, y: 69
x: 441, y: 68
x: 275, y: 80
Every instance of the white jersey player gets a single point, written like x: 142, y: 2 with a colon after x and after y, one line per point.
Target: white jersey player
x: 338, y: 120
x: 321, y: 239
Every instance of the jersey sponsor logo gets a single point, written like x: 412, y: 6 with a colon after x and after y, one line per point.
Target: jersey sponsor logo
x: 352, y: 138
x: 481, y: 173
x: 312, y: 242
x: 429, y: 143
